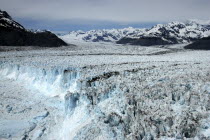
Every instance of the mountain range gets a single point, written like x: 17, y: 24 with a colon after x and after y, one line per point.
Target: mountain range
x: 193, y: 32
x: 161, y: 34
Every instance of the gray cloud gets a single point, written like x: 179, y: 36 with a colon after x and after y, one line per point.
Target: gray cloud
x: 110, y: 10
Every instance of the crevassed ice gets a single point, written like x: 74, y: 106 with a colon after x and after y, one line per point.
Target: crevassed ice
x: 55, y: 81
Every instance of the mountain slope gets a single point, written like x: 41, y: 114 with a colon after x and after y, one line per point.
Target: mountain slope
x: 111, y: 35
x: 172, y: 33
x: 144, y: 41
x: 14, y: 34
x: 161, y: 34
x: 202, y: 44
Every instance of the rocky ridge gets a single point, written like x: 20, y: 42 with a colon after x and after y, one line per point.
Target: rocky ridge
x: 14, y: 34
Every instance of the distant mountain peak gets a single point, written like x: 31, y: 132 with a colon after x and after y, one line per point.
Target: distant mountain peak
x: 199, y: 22
x: 173, y: 33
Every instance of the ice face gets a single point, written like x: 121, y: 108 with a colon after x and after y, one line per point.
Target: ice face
x: 51, y: 82
x: 77, y: 116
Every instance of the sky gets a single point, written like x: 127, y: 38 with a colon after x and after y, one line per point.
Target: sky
x: 68, y: 15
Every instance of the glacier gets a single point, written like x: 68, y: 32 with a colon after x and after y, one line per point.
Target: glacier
x: 151, y: 95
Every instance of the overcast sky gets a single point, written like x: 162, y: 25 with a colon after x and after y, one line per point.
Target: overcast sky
x: 121, y: 12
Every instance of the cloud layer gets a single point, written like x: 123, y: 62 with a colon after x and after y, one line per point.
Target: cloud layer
x: 109, y: 10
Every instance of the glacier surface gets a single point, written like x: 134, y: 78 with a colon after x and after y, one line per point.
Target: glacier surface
x: 105, y: 91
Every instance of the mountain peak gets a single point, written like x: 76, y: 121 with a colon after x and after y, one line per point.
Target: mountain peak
x: 198, y: 21
x: 173, y: 33
x: 14, y: 34
x: 4, y: 14
x: 7, y: 21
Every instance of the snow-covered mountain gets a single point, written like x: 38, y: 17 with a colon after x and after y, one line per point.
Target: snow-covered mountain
x: 171, y: 33
x: 105, y: 35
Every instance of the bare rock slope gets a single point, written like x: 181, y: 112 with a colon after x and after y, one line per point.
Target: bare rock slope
x: 202, y: 44
x: 14, y: 34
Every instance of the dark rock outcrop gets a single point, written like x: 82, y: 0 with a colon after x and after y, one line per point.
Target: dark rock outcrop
x: 144, y: 41
x: 202, y: 44
x: 14, y: 34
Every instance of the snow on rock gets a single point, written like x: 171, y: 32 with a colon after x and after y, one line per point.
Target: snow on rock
x: 174, y: 32
x: 8, y: 22
x: 111, y: 35
x: 201, y: 22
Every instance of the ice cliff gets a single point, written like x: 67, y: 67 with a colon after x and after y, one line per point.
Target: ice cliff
x: 162, y: 101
